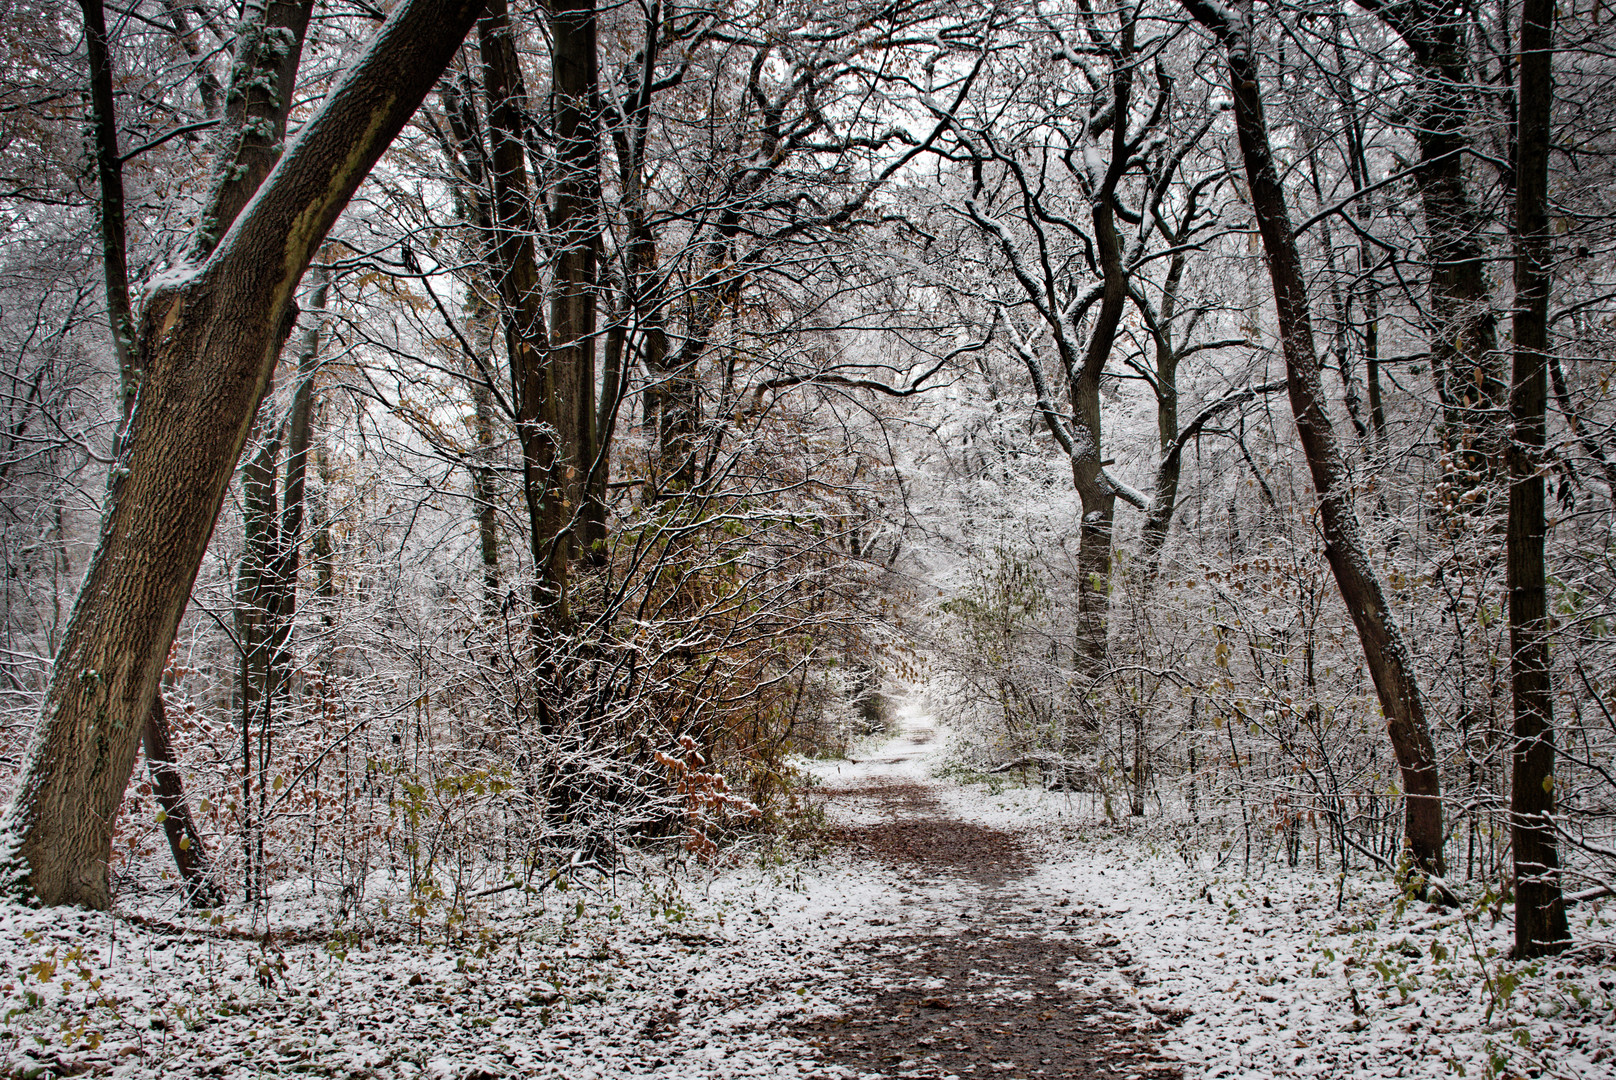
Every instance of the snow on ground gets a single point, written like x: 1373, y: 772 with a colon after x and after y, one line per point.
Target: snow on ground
x: 706, y: 975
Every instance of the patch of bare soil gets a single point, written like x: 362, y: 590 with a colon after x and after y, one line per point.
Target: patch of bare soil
x: 1003, y: 997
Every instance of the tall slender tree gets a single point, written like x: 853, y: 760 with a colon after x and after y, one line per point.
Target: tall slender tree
x: 1344, y: 544
x: 1540, y: 918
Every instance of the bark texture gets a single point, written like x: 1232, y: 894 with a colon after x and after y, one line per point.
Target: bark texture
x: 269, y: 48
x: 575, y: 225
x: 1344, y: 544
x: 210, y: 342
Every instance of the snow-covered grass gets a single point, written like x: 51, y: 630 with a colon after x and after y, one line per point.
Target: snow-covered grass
x: 705, y: 973
x: 691, y: 978
x: 1295, y: 972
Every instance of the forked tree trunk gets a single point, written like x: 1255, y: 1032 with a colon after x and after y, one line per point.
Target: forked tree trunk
x: 1540, y: 918
x: 1344, y: 543
x: 209, y: 342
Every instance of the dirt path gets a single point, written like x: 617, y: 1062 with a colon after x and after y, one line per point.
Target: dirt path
x: 980, y: 976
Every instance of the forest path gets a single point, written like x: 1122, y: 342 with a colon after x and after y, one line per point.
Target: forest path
x: 983, y: 973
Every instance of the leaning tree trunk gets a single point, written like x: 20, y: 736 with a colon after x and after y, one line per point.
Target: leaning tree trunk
x: 209, y: 343
x: 1540, y: 918
x: 1344, y: 543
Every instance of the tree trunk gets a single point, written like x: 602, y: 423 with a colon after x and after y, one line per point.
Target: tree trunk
x: 299, y: 438
x: 209, y: 342
x: 1463, y: 334
x: 1098, y: 497
x: 190, y: 858
x: 109, y: 170
x: 186, y: 846
x: 263, y: 75
x: 472, y: 201
x: 541, y: 424
x: 1344, y: 544
x: 484, y: 491
x: 207, y: 83
x: 575, y: 224
x: 1540, y: 918
x: 253, y: 698
x: 1170, y: 467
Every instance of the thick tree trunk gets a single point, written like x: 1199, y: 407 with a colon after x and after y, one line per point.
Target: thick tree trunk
x: 184, y: 843
x: 1344, y: 544
x: 209, y: 343
x: 1540, y: 918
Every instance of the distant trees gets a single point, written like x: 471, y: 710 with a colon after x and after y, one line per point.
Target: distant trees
x: 1398, y: 574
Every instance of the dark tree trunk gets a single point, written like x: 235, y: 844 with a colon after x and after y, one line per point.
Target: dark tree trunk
x: 1098, y: 497
x: 1463, y: 333
x: 1540, y: 918
x: 484, y: 492
x: 109, y: 170
x: 299, y: 438
x: 190, y: 858
x: 536, y: 384
x: 209, y: 344
x: 575, y: 225
x: 263, y: 75
x: 1344, y: 544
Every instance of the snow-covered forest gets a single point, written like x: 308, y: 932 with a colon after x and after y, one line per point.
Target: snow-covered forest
x: 824, y: 539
